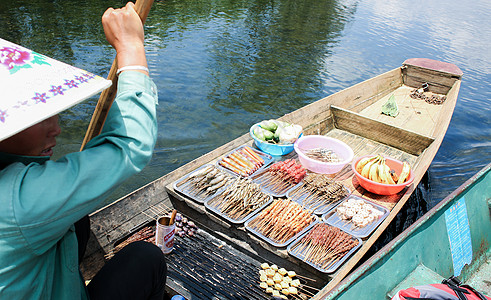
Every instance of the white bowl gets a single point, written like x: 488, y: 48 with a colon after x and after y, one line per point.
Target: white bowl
x: 307, y: 142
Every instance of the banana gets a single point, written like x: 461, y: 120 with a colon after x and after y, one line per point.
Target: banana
x: 363, y: 162
x: 373, y: 174
x: 381, y: 171
x: 404, y: 173
x: 366, y: 169
x: 389, y: 175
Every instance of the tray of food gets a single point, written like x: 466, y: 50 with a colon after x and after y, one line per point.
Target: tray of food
x: 357, y: 216
x: 281, y: 222
x: 245, y: 161
x: 280, y: 177
x: 203, y: 183
x: 324, y: 247
x: 318, y: 192
x: 241, y: 199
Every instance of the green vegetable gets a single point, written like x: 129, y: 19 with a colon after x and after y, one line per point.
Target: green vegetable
x: 269, y: 125
x: 262, y: 134
x: 259, y: 133
x: 277, y: 132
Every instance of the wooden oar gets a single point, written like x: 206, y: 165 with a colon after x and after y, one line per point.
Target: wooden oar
x: 106, y: 99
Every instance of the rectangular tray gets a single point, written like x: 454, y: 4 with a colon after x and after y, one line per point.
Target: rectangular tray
x: 262, y: 181
x: 235, y: 221
x: 319, y: 210
x: 270, y: 241
x: 332, y: 218
x: 266, y: 157
x: 186, y: 188
x: 330, y: 269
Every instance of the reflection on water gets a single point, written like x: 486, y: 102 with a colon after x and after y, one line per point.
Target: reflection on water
x: 221, y: 66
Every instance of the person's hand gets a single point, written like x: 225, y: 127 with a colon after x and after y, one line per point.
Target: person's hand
x: 124, y: 31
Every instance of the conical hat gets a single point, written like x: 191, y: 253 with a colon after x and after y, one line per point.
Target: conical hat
x: 34, y: 87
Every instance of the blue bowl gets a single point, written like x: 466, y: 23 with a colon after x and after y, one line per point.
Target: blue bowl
x: 271, y: 149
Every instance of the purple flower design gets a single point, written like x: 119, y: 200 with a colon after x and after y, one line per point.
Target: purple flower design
x: 40, y: 97
x: 71, y: 83
x: 11, y: 57
x: 89, y: 75
x: 81, y: 79
x: 57, y: 90
x: 3, y: 114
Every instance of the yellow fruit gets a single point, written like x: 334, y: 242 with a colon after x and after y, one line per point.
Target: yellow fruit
x: 363, y: 162
x: 366, y: 169
x: 404, y: 173
x: 388, y: 175
x: 373, y: 174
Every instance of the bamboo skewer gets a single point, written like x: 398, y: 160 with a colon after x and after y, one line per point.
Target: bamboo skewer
x: 149, y: 215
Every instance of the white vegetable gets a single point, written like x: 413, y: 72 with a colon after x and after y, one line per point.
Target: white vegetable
x: 289, y: 134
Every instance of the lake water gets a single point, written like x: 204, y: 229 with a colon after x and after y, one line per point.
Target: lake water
x: 223, y: 65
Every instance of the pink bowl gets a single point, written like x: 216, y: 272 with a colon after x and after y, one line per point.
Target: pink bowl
x: 308, y: 142
x: 381, y: 188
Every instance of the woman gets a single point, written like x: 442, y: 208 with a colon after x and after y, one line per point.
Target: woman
x: 41, y: 200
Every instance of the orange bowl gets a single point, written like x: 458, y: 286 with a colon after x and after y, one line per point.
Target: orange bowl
x: 382, y: 188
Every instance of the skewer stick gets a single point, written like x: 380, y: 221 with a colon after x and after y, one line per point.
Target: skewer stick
x: 310, y: 287
x: 149, y: 215
x: 306, y: 278
x: 307, y: 292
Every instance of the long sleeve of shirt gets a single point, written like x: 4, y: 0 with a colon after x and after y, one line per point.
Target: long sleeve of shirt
x: 41, y: 201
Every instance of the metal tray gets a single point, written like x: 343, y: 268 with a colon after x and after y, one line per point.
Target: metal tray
x: 186, y: 188
x: 321, y: 209
x: 332, y: 268
x: 332, y: 218
x: 270, y: 241
x: 266, y: 157
x: 262, y: 182
x: 235, y: 221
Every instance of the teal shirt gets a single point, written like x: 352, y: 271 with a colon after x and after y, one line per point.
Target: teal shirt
x: 40, y: 199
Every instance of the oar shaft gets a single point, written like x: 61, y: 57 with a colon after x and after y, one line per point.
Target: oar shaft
x: 107, y: 97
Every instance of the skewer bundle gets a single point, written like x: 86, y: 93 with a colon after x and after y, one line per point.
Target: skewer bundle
x: 240, y: 198
x: 324, y: 245
x: 147, y: 233
x: 281, y: 220
x: 282, y: 175
x: 205, y: 181
x: 358, y: 212
x: 282, y: 283
x: 322, y: 154
x: 243, y: 161
x: 319, y: 190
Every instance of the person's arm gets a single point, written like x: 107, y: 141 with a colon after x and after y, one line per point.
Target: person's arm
x: 52, y: 196
x: 124, y: 31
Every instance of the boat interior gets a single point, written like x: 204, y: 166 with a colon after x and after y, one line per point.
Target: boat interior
x: 222, y: 261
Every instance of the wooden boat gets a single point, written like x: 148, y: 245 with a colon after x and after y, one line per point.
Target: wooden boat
x: 352, y: 116
x: 422, y: 254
